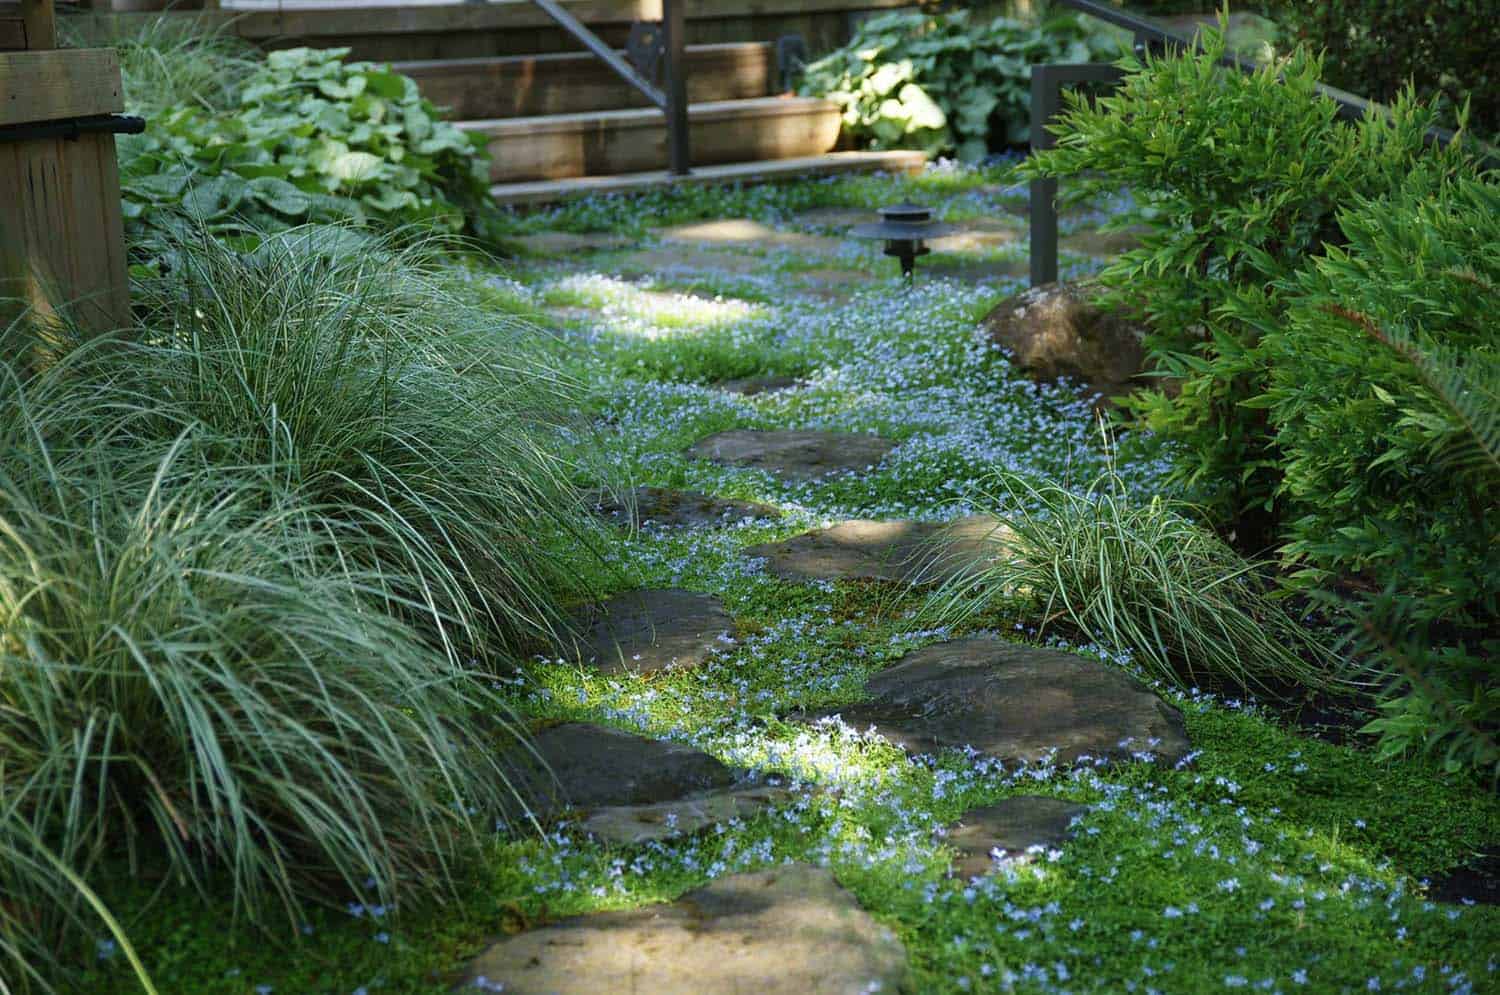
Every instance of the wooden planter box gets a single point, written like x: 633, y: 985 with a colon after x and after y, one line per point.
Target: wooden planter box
x: 61, y: 238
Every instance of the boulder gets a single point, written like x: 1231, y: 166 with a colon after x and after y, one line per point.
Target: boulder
x: 1055, y: 331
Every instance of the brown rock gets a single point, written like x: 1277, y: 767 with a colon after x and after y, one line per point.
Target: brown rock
x: 751, y: 386
x: 1055, y: 331
x: 790, y: 930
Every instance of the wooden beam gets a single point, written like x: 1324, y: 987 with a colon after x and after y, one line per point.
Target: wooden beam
x: 60, y: 84
x: 41, y: 24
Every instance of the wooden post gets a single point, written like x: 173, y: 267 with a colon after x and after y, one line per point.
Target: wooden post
x: 62, y: 241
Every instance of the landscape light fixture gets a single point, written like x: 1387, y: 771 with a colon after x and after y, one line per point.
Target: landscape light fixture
x: 905, y: 228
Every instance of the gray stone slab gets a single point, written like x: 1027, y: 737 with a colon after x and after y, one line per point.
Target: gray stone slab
x: 566, y: 243
x: 579, y: 766
x: 664, y: 506
x: 626, y: 824
x: 913, y: 552
x: 751, y: 386
x: 793, y: 455
x: 1016, y: 703
x: 1008, y: 830
x: 745, y: 233
x: 1099, y: 243
x: 790, y: 930
x: 641, y: 632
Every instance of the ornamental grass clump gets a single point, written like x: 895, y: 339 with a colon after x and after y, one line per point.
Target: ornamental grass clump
x: 1145, y: 578
x: 250, y: 551
x: 362, y: 388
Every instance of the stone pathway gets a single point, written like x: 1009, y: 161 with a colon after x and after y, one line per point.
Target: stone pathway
x: 793, y: 455
x: 1011, y: 831
x: 664, y: 506
x: 913, y: 552
x: 1017, y: 704
x: 790, y: 930
x: 641, y: 632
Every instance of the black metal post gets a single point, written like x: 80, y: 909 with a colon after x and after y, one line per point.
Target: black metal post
x: 1046, y: 101
x: 679, y: 157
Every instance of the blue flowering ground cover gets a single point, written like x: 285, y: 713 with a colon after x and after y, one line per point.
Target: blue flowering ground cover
x: 1267, y: 860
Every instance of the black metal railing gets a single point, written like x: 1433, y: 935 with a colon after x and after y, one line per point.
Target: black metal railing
x: 671, y: 96
x: 1047, y: 82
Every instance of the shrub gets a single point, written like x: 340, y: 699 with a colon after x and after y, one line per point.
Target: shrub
x: 1376, y: 48
x: 309, y: 138
x: 943, y: 82
x: 1239, y: 177
x: 1145, y: 578
x: 1385, y: 400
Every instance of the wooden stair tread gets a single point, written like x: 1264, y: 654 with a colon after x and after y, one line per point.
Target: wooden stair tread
x: 716, y: 110
x: 827, y: 164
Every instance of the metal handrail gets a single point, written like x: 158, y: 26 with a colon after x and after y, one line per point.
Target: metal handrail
x: 1046, y: 83
x: 672, y: 100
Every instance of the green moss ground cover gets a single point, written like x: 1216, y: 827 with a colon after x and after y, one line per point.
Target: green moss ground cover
x: 1266, y: 861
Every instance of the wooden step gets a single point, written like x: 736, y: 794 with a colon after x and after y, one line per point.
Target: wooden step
x: 828, y: 164
x: 631, y: 141
x: 574, y: 83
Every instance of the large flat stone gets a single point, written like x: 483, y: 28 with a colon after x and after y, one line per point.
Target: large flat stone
x: 790, y: 930
x: 745, y: 233
x: 664, y: 506
x: 1010, y: 828
x: 641, y: 632
x: 751, y: 386
x: 581, y: 766
x: 566, y: 243
x: 915, y: 552
x: 793, y: 455
x: 1016, y: 703
x: 628, y: 824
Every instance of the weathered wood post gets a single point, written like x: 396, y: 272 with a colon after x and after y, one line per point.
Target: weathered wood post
x: 62, y: 244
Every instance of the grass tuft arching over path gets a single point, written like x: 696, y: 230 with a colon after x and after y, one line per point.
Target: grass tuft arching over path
x: 1267, y: 861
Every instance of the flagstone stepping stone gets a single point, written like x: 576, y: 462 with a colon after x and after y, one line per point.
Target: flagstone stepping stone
x: 641, y: 632
x: 664, y: 506
x: 745, y: 233
x: 628, y: 789
x: 628, y: 824
x: 789, y: 930
x: 1016, y: 703
x: 1011, y: 827
x: 914, y: 552
x: 692, y: 258
x: 1100, y: 243
x: 793, y: 455
x: 750, y: 386
x: 582, y: 766
x: 565, y: 243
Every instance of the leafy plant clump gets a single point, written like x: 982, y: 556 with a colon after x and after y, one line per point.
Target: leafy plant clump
x: 1385, y: 398
x: 309, y: 137
x: 250, y: 558
x: 1239, y: 177
x: 1143, y: 577
x: 943, y: 83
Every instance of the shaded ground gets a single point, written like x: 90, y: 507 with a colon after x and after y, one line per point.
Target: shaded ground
x: 1259, y: 859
